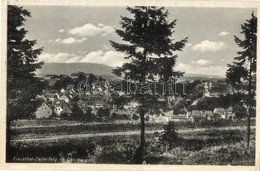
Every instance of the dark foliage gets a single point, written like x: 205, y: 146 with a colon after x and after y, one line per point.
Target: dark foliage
x: 22, y: 83
x: 169, y: 136
x: 244, y: 65
x: 147, y: 33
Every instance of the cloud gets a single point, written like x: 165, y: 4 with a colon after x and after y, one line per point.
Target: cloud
x: 111, y: 58
x: 209, y: 46
x: 70, y: 40
x: 201, y: 62
x: 57, y: 40
x: 223, y: 33
x: 182, y: 67
x: 197, y: 69
x: 81, y: 40
x: 59, y: 57
x: 188, y: 44
x: 61, y: 30
x: 91, y: 30
x: 100, y: 25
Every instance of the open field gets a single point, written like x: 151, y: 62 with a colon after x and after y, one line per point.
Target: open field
x: 27, y: 129
x: 198, y: 144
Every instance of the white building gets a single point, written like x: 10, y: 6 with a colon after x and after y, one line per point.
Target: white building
x: 65, y: 98
x: 58, y: 110
x: 44, y: 111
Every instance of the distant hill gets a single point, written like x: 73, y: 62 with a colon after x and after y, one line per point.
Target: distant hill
x: 102, y: 70
x: 68, y: 68
x: 190, y: 76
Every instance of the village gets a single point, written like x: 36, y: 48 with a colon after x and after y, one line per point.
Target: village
x: 61, y: 104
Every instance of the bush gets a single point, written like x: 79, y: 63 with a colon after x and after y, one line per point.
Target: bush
x: 101, y: 113
x: 169, y: 136
x: 135, y: 117
x: 239, y: 111
x: 147, y: 117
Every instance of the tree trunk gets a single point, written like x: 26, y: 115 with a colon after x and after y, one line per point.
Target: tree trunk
x: 248, y: 128
x: 139, y: 155
x: 141, y: 149
x: 142, y: 136
x: 249, y: 102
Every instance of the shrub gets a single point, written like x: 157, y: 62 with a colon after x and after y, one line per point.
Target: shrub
x: 239, y: 111
x: 102, y: 113
x: 169, y: 136
x: 135, y: 117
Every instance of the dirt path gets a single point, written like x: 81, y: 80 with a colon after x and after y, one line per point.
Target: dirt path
x: 125, y: 133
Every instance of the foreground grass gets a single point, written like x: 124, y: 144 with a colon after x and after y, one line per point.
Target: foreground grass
x: 213, y: 147
x: 42, y: 128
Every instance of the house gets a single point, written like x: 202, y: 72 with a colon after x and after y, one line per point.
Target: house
x: 188, y: 114
x: 64, y: 98
x: 57, y: 110
x: 206, y: 92
x: 66, y: 113
x: 70, y: 88
x: 179, y: 118
x: 208, y: 114
x: 229, y: 113
x: 196, y: 118
x: 193, y: 112
x: 161, y: 119
x: 63, y: 104
x: 91, y: 104
x: 44, y: 111
x: 56, y: 103
x: 83, y: 105
x: 51, y: 96
x: 99, y: 103
x: 194, y: 115
x: 221, y: 112
x: 194, y: 103
x: 62, y: 91
x: 169, y: 115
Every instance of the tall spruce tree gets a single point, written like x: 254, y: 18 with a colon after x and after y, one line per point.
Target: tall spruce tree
x: 244, y: 66
x: 149, y: 49
x: 22, y: 84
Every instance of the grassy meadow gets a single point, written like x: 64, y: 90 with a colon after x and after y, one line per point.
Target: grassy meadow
x: 199, y: 147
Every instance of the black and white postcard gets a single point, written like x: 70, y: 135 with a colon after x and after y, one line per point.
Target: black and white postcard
x: 132, y: 85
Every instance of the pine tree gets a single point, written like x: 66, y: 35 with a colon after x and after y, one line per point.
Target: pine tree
x: 244, y: 66
x: 234, y: 75
x: 22, y: 83
x: 149, y: 49
x: 169, y: 136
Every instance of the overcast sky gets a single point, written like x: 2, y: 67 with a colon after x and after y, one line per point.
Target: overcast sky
x: 82, y: 34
